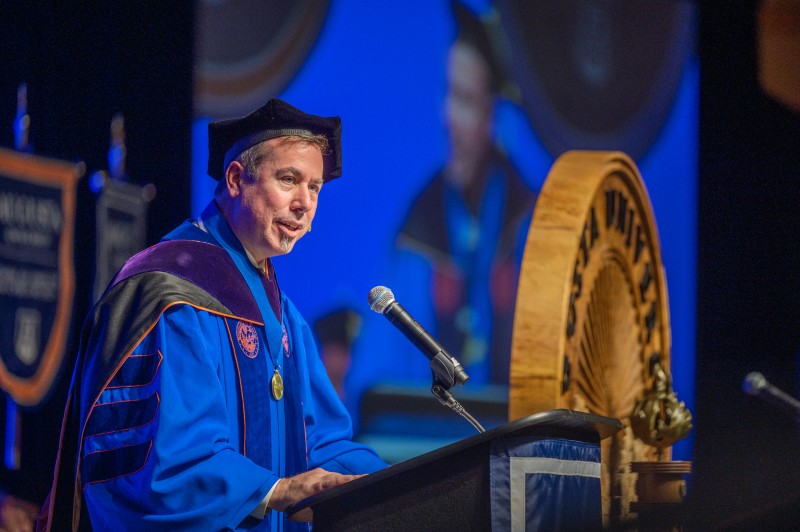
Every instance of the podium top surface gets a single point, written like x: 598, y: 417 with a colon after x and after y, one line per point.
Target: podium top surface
x: 549, y: 422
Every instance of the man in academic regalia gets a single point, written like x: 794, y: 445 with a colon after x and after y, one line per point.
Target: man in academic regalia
x: 199, y: 401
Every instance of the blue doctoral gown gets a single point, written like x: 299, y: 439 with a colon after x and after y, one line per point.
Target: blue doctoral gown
x: 171, y: 424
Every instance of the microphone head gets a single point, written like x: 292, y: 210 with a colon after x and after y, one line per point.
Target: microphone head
x: 753, y: 383
x: 379, y: 298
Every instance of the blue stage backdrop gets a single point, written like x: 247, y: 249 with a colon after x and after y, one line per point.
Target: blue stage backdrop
x: 382, y: 68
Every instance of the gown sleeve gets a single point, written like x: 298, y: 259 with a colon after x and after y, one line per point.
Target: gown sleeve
x: 192, y: 475
x: 329, y: 429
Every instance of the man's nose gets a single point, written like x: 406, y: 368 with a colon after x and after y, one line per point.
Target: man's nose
x: 302, y: 199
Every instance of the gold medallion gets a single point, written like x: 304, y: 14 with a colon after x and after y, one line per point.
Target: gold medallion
x: 277, y: 385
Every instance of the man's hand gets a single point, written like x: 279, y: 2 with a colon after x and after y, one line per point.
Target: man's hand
x: 16, y: 515
x: 293, y: 489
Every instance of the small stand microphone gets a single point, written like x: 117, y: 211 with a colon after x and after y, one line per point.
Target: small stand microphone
x: 755, y: 384
x: 446, y: 370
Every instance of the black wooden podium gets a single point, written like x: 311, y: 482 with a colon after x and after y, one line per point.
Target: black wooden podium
x: 445, y: 489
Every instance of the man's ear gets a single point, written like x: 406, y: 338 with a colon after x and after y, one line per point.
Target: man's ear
x: 233, y: 178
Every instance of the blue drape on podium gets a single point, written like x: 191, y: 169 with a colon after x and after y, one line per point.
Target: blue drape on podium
x: 545, y: 484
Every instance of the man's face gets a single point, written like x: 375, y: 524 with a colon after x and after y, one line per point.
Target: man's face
x: 274, y: 209
x: 468, y: 109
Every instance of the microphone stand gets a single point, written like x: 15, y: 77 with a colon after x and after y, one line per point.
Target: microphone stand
x: 444, y: 370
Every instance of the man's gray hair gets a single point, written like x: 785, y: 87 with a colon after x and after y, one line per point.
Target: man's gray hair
x: 252, y: 157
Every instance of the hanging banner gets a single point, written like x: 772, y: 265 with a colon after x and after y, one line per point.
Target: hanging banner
x: 121, y: 228
x: 37, y: 275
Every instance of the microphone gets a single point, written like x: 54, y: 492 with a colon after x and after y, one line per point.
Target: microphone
x: 755, y: 384
x: 446, y: 368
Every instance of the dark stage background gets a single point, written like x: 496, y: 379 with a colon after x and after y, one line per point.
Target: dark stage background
x: 83, y: 65
x: 746, y: 452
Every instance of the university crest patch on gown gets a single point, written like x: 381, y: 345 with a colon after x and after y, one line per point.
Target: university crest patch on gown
x: 248, y: 339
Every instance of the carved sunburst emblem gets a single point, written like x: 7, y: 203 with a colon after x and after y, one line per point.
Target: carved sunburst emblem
x: 592, y: 307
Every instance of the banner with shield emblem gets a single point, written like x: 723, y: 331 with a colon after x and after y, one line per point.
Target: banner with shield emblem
x: 37, y: 277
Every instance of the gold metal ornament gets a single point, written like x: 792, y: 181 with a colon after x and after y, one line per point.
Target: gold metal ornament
x: 658, y: 418
x: 276, y: 383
